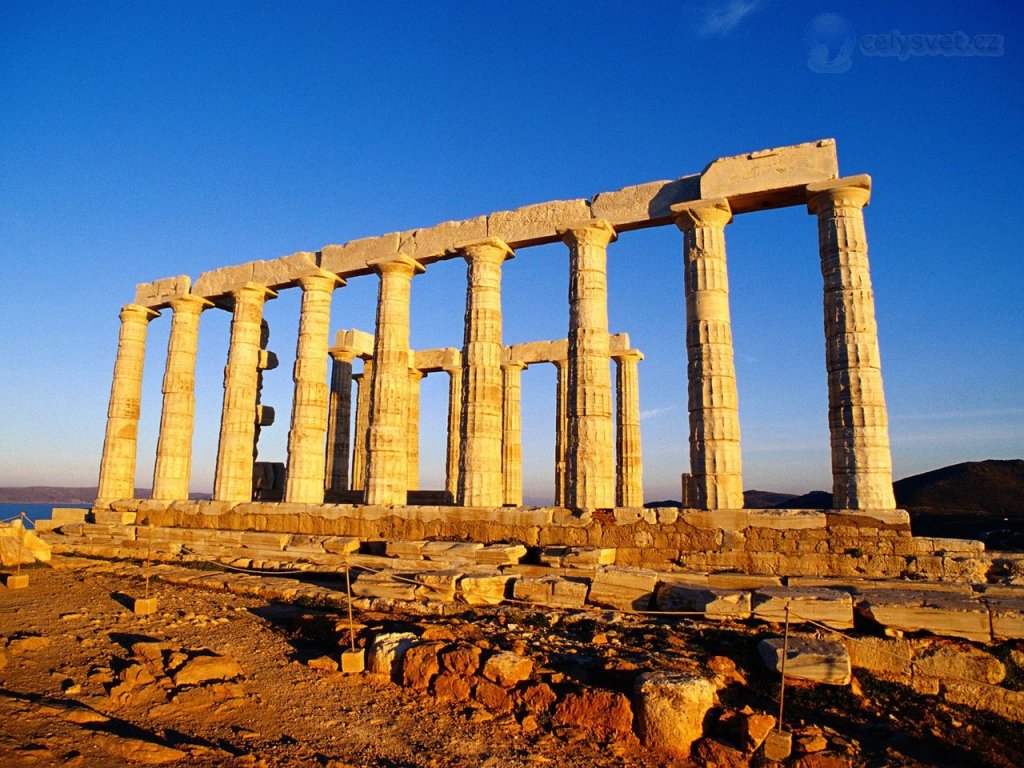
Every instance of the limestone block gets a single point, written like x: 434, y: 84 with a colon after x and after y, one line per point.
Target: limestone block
x: 19, y: 545
x: 539, y: 223
x: 551, y: 591
x: 387, y: 652
x: 159, y: 293
x: 999, y: 701
x: 626, y: 589
x: 831, y: 607
x: 354, y: 340
x: 727, y: 519
x: 383, y: 585
x: 898, y: 519
x: 964, y: 662
x: 670, y: 710
x: 341, y: 545
x: 430, y: 243
x: 500, y: 554
x: 778, y: 746
x: 113, y: 517
x: 64, y: 515
x: 940, y: 614
x: 644, y: 205
x: 354, y: 257
x: 219, y: 282
x: 285, y: 271
x: 484, y: 588
x: 712, y: 603
x: 437, y: 586
x: 15, y: 580
x: 305, y: 544
x: 353, y: 662
x: 577, y: 557
x: 407, y: 549
x: 507, y: 668
x: 1007, y: 617
x: 881, y: 656
x: 741, y: 581
x: 807, y: 658
x: 771, y: 177
x: 787, y: 519
x: 261, y: 540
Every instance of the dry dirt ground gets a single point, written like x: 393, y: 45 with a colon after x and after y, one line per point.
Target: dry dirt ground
x: 69, y: 650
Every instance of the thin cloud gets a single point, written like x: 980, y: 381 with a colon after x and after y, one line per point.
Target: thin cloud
x: 651, y: 413
x: 722, y: 18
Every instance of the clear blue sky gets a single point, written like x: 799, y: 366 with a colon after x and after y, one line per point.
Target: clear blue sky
x: 143, y: 140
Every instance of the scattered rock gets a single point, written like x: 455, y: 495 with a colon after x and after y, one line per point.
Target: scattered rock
x: 324, y: 663
x: 387, y: 652
x: 539, y: 698
x: 449, y: 687
x: 670, y: 710
x: 507, y: 669
x: 463, y: 660
x: 27, y: 643
x: 493, y: 696
x: 710, y: 752
x: 136, y: 750
x: 754, y: 729
x: 202, y: 669
x: 421, y: 664
x: 596, y: 710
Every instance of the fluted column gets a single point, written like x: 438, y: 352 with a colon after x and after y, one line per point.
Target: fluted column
x: 858, y: 421
x: 412, y: 428
x: 361, y: 433
x: 480, y: 483
x: 304, y: 480
x: 590, y: 481
x: 173, y: 467
x: 451, y: 467
x: 387, y: 459
x: 561, y: 429
x: 629, y: 488
x: 233, y: 481
x: 512, y: 434
x: 339, y: 420
x: 120, y: 444
x: 715, y: 463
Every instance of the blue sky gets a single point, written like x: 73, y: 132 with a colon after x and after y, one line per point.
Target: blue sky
x: 143, y: 140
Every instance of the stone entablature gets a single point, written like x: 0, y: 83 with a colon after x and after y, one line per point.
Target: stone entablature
x: 594, y: 469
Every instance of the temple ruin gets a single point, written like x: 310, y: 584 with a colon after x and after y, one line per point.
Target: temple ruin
x: 346, y: 484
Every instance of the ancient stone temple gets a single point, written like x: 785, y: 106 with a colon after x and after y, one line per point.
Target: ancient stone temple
x: 597, y: 435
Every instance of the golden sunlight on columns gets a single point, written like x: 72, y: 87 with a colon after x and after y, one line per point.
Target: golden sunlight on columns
x: 480, y: 483
x: 715, y: 463
x: 117, y: 467
x: 387, y: 466
x: 412, y: 428
x: 512, y: 434
x: 236, y: 447
x: 629, y: 488
x: 451, y: 466
x: 339, y: 420
x: 304, y: 477
x: 361, y: 433
x: 174, y: 446
x: 857, y: 417
x: 590, y: 468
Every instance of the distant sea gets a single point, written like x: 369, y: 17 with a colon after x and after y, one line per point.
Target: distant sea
x: 32, y: 511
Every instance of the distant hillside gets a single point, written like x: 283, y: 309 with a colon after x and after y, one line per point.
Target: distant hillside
x: 55, y: 494
x: 975, y: 500
x: 766, y: 499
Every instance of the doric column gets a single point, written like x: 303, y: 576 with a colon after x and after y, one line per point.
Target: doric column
x: 590, y: 481
x: 629, y: 488
x: 117, y: 467
x: 361, y: 433
x: 233, y: 481
x: 512, y: 434
x: 480, y: 483
x: 561, y: 429
x: 858, y: 421
x: 387, y: 470
x: 304, y: 479
x: 715, y: 465
x: 174, y: 446
x: 412, y: 428
x: 339, y: 420
x: 451, y: 467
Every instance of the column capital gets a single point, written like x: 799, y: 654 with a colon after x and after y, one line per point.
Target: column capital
x: 137, y: 312
x: 343, y: 354
x: 628, y: 355
x: 715, y: 212
x: 416, y: 373
x: 847, y: 192
x: 597, y: 232
x: 514, y: 365
x: 189, y: 302
x: 320, y: 280
x: 491, y: 248
x: 250, y: 289
x: 398, y: 263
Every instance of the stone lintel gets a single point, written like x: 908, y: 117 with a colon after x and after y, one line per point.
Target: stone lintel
x: 556, y: 351
x: 436, y: 360
x: 160, y: 293
x: 537, y: 224
x: 770, y: 178
x: 353, y: 258
x: 359, y: 343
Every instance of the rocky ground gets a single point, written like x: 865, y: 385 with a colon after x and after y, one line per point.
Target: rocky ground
x: 217, y: 679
